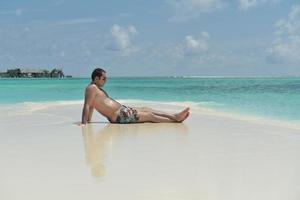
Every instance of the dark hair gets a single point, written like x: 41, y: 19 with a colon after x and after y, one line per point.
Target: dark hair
x: 97, y: 73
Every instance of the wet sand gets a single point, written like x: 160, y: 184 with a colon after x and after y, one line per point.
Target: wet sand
x: 45, y: 155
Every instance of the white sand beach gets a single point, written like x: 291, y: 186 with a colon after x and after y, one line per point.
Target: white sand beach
x: 211, y: 156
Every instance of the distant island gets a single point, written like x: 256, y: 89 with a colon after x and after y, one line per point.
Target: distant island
x: 33, y: 73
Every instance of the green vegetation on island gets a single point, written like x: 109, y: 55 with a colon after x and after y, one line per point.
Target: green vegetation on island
x: 33, y: 73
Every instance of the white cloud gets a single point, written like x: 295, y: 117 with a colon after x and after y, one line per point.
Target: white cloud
x: 121, y: 39
x: 190, y: 48
x: 286, y: 44
x: 187, y: 9
x: 247, y: 4
x: 79, y: 21
x: 194, y: 45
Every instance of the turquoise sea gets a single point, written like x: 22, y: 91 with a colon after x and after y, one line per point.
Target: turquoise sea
x: 275, y: 98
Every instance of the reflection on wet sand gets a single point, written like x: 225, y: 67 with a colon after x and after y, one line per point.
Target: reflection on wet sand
x: 99, y: 140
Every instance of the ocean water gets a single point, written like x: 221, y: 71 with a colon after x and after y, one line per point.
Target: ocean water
x: 275, y: 98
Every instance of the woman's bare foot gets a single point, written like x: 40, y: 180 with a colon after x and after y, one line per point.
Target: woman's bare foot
x: 180, y: 117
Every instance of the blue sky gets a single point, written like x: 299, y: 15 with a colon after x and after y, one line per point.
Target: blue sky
x: 153, y: 38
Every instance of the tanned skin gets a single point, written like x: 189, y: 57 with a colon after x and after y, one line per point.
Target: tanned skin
x: 96, y: 98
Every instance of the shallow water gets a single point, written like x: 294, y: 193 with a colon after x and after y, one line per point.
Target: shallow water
x: 276, y: 98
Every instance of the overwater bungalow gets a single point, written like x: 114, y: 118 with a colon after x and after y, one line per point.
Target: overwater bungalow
x: 32, y: 73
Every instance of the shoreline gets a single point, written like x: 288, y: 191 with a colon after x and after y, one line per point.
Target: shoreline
x: 167, y: 106
x: 46, y: 155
